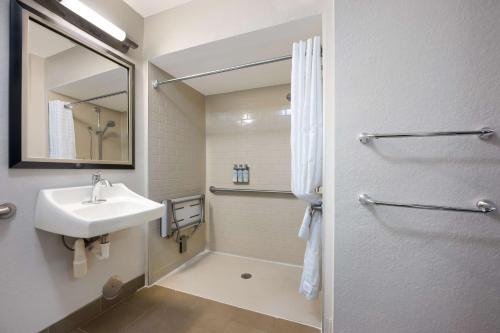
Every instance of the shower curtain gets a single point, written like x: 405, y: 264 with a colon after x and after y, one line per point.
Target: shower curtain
x: 307, y: 153
x: 61, y: 131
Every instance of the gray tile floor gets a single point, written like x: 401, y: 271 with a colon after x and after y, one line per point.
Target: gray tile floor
x: 164, y: 310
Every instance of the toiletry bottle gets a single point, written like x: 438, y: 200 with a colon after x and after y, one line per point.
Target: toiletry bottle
x: 235, y: 173
x: 246, y: 173
x: 240, y: 173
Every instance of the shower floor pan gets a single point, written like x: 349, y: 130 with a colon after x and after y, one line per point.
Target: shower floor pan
x: 272, y: 288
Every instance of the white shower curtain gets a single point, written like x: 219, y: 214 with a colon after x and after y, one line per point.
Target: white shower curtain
x: 61, y: 131
x: 307, y: 153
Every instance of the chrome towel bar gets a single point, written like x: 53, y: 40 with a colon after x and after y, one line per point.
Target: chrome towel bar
x: 483, y: 206
x: 483, y: 133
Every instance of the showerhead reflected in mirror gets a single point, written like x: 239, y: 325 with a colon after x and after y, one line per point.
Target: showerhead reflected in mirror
x: 110, y: 123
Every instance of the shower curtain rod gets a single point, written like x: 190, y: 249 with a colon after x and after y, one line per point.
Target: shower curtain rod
x: 157, y: 83
x: 97, y: 97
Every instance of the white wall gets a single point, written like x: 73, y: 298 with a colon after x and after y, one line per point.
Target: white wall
x: 38, y: 125
x: 75, y: 64
x: 199, y: 22
x: 408, y: 65
x: 36, y: 287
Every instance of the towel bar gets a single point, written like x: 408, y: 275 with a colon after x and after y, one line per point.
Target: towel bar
x: 484, y: 133
x: 483, y: 206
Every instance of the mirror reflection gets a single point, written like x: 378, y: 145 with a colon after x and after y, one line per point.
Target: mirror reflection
x: 78, y: 104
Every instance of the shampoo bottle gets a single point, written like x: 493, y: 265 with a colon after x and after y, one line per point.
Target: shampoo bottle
x: 240, y: 173
x: 235, y: 173
x: 246, y: 174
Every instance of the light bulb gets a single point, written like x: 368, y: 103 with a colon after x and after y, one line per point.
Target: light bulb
x: 93, y: 17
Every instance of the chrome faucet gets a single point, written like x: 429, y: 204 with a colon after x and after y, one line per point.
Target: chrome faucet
x: 97, y: 182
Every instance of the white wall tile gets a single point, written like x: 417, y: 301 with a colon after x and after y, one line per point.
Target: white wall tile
x: 176, y: 163
x: 255, y: 226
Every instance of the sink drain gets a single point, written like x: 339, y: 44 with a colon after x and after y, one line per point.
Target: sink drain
x: 246, y: 276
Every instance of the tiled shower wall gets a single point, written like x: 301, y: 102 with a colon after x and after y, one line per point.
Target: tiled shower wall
x: 253, y: 127
x: 176, y: 163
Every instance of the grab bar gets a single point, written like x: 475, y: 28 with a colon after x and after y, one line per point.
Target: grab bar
x: 318, y: 207
x: 214, y: 189
x: 483, y: 206
x: 7, y: 210
x: 484, y: 133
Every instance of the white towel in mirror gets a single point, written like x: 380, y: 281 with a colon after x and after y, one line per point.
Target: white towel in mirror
x: 61, y: 131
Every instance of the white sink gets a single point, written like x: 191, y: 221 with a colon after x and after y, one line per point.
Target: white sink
x: 64, y: 211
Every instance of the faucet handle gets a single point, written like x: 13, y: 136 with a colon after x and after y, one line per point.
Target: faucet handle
x: 96, y: 177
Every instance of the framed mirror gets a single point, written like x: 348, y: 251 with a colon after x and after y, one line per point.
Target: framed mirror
x: 71, y: 101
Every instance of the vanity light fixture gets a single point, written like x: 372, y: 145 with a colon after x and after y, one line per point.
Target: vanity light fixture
x: 82, y: 16
x: 96, y: 19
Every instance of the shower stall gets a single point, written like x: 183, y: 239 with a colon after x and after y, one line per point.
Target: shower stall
x: 99, y: 132
x: 102, y: 120
x: 236, y: 111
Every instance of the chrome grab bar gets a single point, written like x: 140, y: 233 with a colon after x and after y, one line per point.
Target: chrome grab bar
x: 483, y: 206
x: 484, y: 133
x: 214, y: 189
x: 7, y: 210
x: 318, y: 207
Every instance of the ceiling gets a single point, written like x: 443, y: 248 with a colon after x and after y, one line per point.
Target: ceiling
x: 44, y: 42
x: 97, y: 85
x: 258, y: 45
x: 151, y: 7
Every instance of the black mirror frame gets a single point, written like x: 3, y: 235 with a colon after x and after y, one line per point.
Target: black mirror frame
x: 16, y: 94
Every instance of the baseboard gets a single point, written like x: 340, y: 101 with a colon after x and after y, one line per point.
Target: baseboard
x: 258, y: 259
x: 94, y: 308
x: 179, y: 268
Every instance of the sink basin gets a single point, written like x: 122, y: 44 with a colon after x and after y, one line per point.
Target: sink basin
x: 65, y: 211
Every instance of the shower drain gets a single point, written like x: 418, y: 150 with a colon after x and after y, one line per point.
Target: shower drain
x: 246, y: 276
